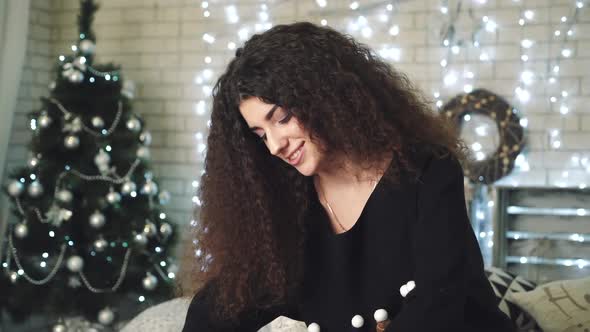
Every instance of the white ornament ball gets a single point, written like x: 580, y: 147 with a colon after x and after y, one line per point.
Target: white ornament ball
x: 150, y: 282
x: 149, y: 229
x: 113, y: 197
x: 150, y: 188
x: 164, y: 197
x: 102, y: 159
x: 140, y: 239
x: 13, y: 277
x: 76, y: 125
x: 15, y: 188
x: 64, y: 196
x: 44, y: 120
x: 97, y: 122
x: 143, y: 152
x: 33, y: 162
x: 86, y: 46
x: 380, y: 315
x: 100, y: 244
x: 128, y: 89
x: 67, y: 68
x: 75, y: 263
x: 59, y: 327
x: 71, y: 142
x: 128, y: 187
x: 106, y: 316
x: 75, y: 76
x: 134, y: 125
x: 358, y: 321
x: 21, y: 230
x: 165, y: 229
x: 80, y: 63
x: 96, y: 219
x: 146, y: 138
x: 35, y: 189
x: 52, y: 85
x: 313, y: 327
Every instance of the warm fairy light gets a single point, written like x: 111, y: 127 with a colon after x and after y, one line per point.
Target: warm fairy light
x: 208, y: 38
x: 527, y: 77
x: 450, y: 79
x: 394, y: 30
x: 231, y: 14
x: 321, y: 3
x: 526, y: 43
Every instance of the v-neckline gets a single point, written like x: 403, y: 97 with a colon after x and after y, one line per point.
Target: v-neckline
x: 354, y: 226
x: 327, y: 222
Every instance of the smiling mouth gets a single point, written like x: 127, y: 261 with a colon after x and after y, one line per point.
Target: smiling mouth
x: 295, y: 154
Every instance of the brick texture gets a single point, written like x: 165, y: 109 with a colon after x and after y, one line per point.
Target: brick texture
x: 159, y: 44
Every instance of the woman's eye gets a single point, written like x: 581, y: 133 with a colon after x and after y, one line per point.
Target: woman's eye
x: 286, y: 118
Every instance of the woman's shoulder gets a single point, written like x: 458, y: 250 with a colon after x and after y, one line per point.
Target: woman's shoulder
x: 432, y: 158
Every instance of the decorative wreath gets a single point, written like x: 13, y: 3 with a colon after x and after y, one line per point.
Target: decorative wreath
x: 510, y: 130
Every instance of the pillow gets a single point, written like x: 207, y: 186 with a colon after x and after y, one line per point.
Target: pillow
x: 284, y: 324
x: 562, y: 305
x: 504, y: 283
x: 167, y: 316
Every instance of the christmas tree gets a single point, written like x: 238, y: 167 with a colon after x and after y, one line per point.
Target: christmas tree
x: 89, y: 239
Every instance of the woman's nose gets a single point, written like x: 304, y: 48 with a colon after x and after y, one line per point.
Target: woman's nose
x: 276, y: 143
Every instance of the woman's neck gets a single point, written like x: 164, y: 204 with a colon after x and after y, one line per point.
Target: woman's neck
x: 343, y: 175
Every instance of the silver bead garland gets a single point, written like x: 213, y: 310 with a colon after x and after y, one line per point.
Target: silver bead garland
x: 31, y: 280
x: 161, y: 272
x: 102, y: 73
x: 54, y: 270
x: 117, y: 283
x: 116, y: 179
x: 87, y: 129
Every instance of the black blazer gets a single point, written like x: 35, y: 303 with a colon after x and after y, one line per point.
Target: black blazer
x: 417, y: 230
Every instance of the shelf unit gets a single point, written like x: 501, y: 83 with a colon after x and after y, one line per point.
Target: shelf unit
x: 542, y: 234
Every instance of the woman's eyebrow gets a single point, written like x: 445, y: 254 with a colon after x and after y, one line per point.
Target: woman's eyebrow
x: 268, y: 116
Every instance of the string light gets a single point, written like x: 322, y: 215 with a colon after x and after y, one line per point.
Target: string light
x: 394, y: 30
x: 208, y: 38
x: 526, y: 43
x: 367, y: 25
x: 231, y: 14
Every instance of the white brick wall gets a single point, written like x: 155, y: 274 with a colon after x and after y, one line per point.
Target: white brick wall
x: 159, y: 45
x: 34, y: 82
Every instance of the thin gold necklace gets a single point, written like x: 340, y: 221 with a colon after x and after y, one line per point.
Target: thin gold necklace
x: 330, y: 208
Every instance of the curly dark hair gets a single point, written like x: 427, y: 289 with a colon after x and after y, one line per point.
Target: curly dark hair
x: 250, y: 230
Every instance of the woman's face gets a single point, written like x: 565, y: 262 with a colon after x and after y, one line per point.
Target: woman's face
x: 283, y: 135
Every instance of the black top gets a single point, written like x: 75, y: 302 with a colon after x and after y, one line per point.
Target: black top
x: 418, y: 230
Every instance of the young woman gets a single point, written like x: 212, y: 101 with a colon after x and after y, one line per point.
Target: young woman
x: 329, y: 185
